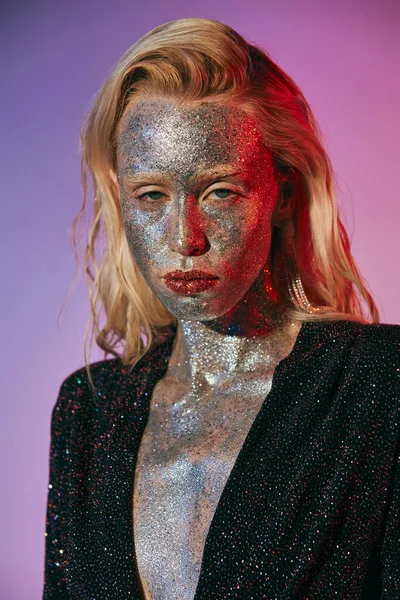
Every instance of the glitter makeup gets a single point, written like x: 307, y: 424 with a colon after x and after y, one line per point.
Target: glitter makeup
x: 197, y: 192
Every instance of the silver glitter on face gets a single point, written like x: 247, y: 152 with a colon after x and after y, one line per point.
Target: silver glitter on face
x: 197, y: 191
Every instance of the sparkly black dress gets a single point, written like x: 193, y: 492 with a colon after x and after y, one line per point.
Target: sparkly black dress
x: 311, y: 509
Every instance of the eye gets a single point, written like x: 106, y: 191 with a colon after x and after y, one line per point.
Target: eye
x: 150, y: 196
x: 226, y: 192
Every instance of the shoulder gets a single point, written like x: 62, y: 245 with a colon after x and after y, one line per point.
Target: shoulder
x: 358, y: 335
x: 364, y: 352
x: 380, y: 334
x: 111, y: 372
x: 379, y: 344
x: 373, y: 359
x: 110, y: 378
x: 358, y: 365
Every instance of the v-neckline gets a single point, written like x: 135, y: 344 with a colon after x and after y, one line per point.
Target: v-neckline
x: 239, y: 458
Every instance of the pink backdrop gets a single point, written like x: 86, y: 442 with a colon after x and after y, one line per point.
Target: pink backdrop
x: 343, y: 54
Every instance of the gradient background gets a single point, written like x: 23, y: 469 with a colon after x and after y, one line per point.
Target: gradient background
x: 344, y: 54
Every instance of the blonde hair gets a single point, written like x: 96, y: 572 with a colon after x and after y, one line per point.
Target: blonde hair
x: 195, y: 60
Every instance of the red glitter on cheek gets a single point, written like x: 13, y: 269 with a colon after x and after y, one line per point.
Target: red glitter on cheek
x: 228, y: 269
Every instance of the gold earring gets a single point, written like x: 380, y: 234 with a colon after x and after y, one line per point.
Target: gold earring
x: 295, y: 286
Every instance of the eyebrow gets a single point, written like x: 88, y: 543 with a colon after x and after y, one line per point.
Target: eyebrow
x: 151, y: 177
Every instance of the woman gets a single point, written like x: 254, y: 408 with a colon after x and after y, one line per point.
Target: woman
x: 244, y: 441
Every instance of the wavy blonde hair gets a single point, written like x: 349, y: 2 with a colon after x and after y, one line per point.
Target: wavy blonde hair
x: 195, y: 60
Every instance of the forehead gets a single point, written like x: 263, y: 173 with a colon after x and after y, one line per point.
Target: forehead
x: 160, y: 135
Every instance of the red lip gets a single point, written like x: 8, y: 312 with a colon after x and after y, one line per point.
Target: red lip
x: 190, y: 282
x: 189, y: 275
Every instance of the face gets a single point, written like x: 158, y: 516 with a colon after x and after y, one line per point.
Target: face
x: 197, y: 192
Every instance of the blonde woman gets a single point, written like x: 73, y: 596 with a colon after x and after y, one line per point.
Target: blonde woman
x: 243, y: 441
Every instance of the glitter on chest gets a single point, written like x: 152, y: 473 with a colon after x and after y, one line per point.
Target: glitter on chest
x: 200, y: 415
x: 182, y: 469
x: 190, y: 445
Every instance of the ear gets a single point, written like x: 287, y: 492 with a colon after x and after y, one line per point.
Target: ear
x: 285, y: 202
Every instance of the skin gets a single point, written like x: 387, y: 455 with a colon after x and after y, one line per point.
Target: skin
x: 221, y: 224
x: 198, y: 191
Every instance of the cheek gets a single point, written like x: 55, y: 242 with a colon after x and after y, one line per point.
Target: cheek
x: 145, y: 237
x: 245, y: 239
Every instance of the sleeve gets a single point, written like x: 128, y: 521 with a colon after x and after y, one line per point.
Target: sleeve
x: 390, y: 553
x: 54, y: 568
x: 389, y: 354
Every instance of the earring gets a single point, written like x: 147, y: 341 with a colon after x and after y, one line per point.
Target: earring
x: 295, y: 286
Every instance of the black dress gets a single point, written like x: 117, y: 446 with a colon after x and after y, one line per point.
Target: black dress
x: 311, y: 509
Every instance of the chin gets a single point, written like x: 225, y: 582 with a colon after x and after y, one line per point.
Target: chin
x: 193, y: 308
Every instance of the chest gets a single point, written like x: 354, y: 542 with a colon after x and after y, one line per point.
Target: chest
x: 189, y: 447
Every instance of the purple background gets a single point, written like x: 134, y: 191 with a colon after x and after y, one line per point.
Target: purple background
x: 54, y: 56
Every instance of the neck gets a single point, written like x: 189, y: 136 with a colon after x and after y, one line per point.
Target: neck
x: 252, y: 337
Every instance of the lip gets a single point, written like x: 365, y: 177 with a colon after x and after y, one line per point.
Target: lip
x: 190, y: 282
x: 194, y: 274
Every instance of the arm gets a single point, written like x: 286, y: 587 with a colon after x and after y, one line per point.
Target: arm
x: 54, y: 570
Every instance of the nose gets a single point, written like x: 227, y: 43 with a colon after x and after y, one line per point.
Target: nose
x: 187, y: 236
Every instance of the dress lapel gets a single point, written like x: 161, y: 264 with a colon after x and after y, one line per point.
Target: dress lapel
x: 101, y: 546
